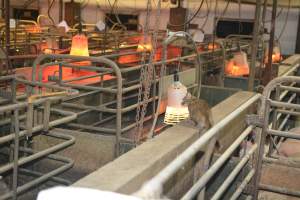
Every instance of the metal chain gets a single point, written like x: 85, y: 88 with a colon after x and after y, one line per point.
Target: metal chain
x: 147, y: 73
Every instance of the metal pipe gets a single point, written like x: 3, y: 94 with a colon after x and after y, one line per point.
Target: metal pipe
x: 35, y: 129
x: 69, y: 141
x: 279, y: 190
x: 254, y: 48
x: 155, y: 184
x: 216, y: 166
x: 230, y: 178
x: 240, y: 189
x: 45, y: 177
x: 7, y: 26
x: 268, y: 72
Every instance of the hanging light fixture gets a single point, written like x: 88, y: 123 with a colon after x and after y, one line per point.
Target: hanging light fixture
x: 79, y: 45
x: 238, y: 65
x: 176, y: 112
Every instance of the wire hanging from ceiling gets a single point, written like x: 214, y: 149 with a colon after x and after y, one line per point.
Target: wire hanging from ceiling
x: 286, y: 21
x: 50, y: 5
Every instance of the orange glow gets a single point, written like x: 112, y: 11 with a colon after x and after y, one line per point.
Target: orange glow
x: 276, y: 57
x: 126, y: 59
x: 79, y: 46
x: 33, y: 29
x: 144, y: 47
x: 235, y: 70
x: 145, y: 44
x: 212, y: 46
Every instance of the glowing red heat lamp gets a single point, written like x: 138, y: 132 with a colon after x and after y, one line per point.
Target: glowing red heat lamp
x: 145, y: 44
x: 33, y: 29
x: 79, y: 46
x: 213, y: 46
x: 238, y: 66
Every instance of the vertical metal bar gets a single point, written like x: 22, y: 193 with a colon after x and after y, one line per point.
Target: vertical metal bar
x: 7, y: 26
x: 261, y: 143
x: 268, y: 72
x: 16, y: 154
x: 274, y: 121
x: 46, y: 117
x: 61, y: 5
x: 255, y: 41
x: 298, y: 35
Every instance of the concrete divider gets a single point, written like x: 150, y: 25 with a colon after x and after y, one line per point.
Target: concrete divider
x: 127, y: 173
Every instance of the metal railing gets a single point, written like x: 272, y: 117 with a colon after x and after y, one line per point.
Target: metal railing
x: 153, y: 189
x: 22, y: 118
x: 279, y: 105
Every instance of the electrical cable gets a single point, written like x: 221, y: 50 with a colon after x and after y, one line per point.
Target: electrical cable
x: 49, y: 9
x: 286, y: 20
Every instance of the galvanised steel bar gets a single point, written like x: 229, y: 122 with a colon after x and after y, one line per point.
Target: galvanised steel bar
x: 7, y: 26
x: 243, y: 185
x: 154, y: 186
x: 254, y: 48
x: 70, y: 140
x: 196, y: 188
x: 264, y: 114
x: 268, y: 72
x: 102, y: 60
x: 70, y: 116
x: 16, y: 126
x: 230, y: 178
x: 21, y: 189
x: 279, y: 190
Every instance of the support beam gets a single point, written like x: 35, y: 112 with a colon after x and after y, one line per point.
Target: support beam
x: 268, y: 72
x: 256, y: 34
x: 7, y: 25
x: 298, y: 36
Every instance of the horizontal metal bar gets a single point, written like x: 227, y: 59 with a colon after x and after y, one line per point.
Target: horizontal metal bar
x: 216, y: 166
x: 289, y: 162
x: 243, y: 185
x: 284, y: 105
x: 284, y: 134
x: 279, y: 190
x: 69, y: 141
x: 230, y: 178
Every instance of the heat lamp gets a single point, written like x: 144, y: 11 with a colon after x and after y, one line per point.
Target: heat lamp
x: 145, y: 44
x: 212, y: 46
x: 79, y: 45
x: 176, y: 112
x: 276, y: 56
x: 238, y: 65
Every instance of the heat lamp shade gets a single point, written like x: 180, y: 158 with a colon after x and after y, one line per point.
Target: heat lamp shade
x: 276, y: 56
x: 79, y: 45
x: 238, y: 65
x: 145, y: 44
x: 175, y: 111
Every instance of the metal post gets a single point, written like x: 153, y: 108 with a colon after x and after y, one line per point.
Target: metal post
x: 268, y: 72
x: 7, y: 26
x: 255, y: 40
